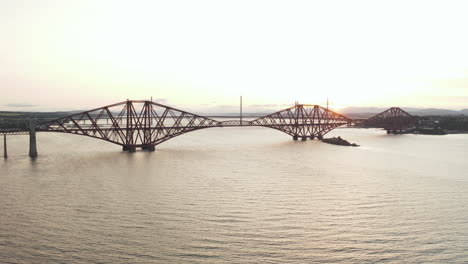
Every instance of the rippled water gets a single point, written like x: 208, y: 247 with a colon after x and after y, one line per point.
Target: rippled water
x: 237, y: 195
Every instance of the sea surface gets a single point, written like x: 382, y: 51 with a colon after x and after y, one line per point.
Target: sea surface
x: 236, y: 195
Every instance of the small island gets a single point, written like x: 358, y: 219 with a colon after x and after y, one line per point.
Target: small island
x: 339, y: 141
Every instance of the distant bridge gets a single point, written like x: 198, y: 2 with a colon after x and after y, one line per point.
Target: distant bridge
x: 394, y: 120
x: 142, y: 124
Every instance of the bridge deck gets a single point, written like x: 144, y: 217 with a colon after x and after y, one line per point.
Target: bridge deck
x: 13, y: 132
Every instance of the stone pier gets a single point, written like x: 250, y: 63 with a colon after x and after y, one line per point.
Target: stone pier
x: 5, y: 153
x: 129, y: 148
x: 32, y: 140
x: 148, y: 147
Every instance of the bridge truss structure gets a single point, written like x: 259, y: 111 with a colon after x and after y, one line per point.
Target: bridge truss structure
x: 130, y: 124
x: 303, y: 121
x: 394, y: 120
x: 144, y: 124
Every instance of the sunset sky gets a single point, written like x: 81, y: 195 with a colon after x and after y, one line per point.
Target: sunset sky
x: 202, y: 55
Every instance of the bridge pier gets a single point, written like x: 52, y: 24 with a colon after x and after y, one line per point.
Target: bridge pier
x: 304, y: 138
x: 148, y: 147
x: 129, y: 148
x: 32, y: 140
x: 396, y: 131
x: 295, y: 137
x: 319, y: 137
x: 312, y: 137
x: 5, y: 154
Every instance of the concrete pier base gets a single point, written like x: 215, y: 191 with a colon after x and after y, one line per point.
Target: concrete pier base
x: 32, y: 140
x: 304, y: 138
x: 5, y: 152
x: 295, y: 137
x: 148, y: 147
x: 319, y: 137
x: 129, y: 148
x: 312, y: 137
x: 395, y: 131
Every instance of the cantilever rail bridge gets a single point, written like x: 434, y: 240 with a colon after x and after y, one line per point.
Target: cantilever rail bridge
x: 144, y: 124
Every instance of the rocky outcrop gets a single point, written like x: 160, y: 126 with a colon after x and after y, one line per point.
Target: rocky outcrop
x: 339, y: 141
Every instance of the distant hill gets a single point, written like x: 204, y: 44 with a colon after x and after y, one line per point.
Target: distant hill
x: 365, y: 112
x: 352, y: 112
x: 49, y: 115
x: 361, y: 112
x: 433, y: 111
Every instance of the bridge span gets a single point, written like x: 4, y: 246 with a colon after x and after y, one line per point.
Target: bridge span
x: 144, y: 124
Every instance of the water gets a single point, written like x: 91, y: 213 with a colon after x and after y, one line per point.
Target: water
x: 236, y: 195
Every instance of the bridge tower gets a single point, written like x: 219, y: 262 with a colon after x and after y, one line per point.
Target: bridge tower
x: 394, y: 120
x: 303, y: 121
x: 129, y: 142
x: 147, y: 123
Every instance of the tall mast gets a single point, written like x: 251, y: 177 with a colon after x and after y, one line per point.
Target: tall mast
x: 241, y: 110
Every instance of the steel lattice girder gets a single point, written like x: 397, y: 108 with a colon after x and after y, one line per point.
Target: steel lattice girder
x: 392, y: 119
x: 303, y: 120
x: 130, y: 123
x: 144, y: 123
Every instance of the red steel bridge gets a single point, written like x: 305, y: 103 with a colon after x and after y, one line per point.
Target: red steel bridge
x: 143, y: 124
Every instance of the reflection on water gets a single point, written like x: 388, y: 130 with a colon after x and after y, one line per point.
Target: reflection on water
x: 237, y: 195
